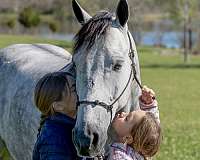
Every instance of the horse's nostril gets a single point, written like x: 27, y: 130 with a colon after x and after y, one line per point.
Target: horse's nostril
x: 95, y: 139
x: 88, y: 132
x: 84, y: 152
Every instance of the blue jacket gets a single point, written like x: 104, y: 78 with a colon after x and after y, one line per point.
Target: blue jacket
x: 54, y: 142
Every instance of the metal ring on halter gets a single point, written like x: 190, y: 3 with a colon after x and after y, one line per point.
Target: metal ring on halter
x: 99, y: 103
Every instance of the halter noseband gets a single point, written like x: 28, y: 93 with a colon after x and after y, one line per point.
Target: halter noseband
x: 109, y: 107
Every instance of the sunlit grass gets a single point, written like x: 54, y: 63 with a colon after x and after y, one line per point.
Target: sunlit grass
x: 177, y: 87
x: 6, y: 40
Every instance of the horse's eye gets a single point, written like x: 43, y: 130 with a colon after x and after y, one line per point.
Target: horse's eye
x: 117, y: 67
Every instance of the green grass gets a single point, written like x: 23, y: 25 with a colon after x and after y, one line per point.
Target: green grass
x: 6, y: 40
x: 177, y: 87
x: 4, y: 154
x: 5, y: 16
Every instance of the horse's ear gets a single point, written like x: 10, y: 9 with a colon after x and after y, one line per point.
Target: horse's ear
x: 122, y: 12
x: 80, y: 13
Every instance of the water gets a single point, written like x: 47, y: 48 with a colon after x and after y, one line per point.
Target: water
x: 167, y: 39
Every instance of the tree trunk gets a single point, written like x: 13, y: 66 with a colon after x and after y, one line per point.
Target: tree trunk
x: 186, y: 44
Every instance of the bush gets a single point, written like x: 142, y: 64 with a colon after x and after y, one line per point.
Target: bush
x: 8, y: 20
x: 11, y: 23
x: 29, y: 17
x: 54, y: 25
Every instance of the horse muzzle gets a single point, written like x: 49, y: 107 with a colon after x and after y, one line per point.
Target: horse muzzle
x: 89, y: 141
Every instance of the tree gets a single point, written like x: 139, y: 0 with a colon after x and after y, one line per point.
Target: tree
x: 29, y: 17
x: 184, y: 12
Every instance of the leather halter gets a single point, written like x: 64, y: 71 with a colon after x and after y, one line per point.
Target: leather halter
x: 109, y: 107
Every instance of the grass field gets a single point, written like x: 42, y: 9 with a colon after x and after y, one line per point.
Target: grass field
x: 6, y: 40
x: 178, y: 93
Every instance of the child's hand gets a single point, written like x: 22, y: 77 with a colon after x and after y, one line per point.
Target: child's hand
x: 148, y: 95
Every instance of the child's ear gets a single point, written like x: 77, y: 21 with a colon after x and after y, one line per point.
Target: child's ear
x: 57, y: 106
x: 128, y: 139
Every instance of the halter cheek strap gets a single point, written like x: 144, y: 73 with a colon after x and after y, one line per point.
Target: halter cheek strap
x: 133, y: 65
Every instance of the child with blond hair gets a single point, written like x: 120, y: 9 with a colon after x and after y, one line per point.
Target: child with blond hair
x: 138, y: 132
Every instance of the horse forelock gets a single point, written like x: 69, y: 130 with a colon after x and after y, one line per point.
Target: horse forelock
x: 94, y: 28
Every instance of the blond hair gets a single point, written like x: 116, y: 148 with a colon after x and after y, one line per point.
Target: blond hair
x: 146, y: 136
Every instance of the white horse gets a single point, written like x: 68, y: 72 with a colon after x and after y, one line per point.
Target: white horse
x: 103, y: 70
x: 106, y: 62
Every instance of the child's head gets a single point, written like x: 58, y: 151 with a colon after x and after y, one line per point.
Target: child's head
x: 55, y: 92
x: 140, y: 130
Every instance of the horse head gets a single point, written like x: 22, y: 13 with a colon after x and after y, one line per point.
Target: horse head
x: 103, y: 60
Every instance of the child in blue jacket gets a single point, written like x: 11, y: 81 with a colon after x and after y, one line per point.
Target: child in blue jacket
x: 55, y: 97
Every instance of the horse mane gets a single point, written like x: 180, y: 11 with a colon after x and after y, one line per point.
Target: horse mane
x: 93, y: 29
